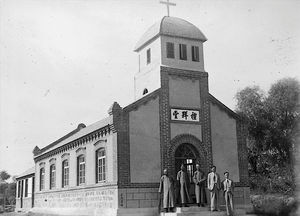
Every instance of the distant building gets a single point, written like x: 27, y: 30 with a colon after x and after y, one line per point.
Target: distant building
x: 25, y: 190
x: 113, y: 166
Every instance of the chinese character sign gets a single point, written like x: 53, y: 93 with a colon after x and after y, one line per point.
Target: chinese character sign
x: 185, y: 115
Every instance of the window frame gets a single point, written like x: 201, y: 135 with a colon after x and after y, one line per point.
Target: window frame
x: 170, y: 50
x: 81, y: 173
x: 65, y: 173
x: 195, y: 53
x: 42, y: 178
x: 183, y: 52
x: 52, y: 176
x: 101, y: 176
x: 148, y: 56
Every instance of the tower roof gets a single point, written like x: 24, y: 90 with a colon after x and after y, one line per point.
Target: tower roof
x: 170, y: 26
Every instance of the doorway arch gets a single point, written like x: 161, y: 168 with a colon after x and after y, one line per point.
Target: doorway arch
x: 194, y: 149
x: 187, y: 155
x: 188, y: 150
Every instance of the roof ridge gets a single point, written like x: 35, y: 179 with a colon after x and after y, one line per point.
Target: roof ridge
x: 63, y: 138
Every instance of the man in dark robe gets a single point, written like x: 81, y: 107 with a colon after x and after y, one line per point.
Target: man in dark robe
x: 183, y: 179
x: 199, y: 180
x: 166, y: 187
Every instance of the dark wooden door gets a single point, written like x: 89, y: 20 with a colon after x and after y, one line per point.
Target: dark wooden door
x: 185, y: 154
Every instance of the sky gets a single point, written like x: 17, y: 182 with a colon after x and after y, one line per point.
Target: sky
x: 65, y: 62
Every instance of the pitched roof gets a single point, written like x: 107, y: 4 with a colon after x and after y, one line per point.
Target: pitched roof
x: 142, y: 100
x: 224, y: 107
x: 26, y: 173
x: 77, y: 133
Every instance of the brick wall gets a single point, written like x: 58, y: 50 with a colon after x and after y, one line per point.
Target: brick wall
x: 242, y: 153
x: 138, y: 195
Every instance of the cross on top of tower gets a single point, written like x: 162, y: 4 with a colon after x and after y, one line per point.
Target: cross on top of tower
x: 168, y: 4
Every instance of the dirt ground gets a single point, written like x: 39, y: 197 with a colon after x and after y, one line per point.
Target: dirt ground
x: 15, y: 214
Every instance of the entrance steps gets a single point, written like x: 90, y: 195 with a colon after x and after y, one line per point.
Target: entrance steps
x: 201, y: 211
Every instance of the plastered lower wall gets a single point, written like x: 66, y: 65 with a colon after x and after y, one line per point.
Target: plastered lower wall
x: 145, y: 143
x: 224, y: 142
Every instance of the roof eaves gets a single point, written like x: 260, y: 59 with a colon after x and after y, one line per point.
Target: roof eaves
x: 142, y: 100
x: 59, y: 140
x: 70, y: 142
x: 224, y: 107
x: 138, y: 47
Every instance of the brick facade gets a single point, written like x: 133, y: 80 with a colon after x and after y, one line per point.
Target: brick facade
x: 166, y: 144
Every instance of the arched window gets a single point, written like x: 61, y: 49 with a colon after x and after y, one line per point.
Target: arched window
x: 145, y: 91
x: 65, y: 173
x: 42, y: 178
x: 100, y: 165
x: 52, y: 176
x: 80, y: 170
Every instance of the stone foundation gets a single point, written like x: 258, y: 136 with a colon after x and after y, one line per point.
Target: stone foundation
x: 138, y: 197
x: 95, y: 197
x: 27, y: 204
x: 112, y: 201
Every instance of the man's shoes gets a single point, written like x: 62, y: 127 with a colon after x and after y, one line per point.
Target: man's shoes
x: 202, y: 205
x: 198, y: 204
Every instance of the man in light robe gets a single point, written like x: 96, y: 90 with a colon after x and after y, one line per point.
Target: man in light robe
x: 183, y: 179
x: 166, y: 187
x: 228, y: 193
x: 214, y: 186
x: 199, y: 179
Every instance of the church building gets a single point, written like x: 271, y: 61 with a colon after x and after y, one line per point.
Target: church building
x: 113, y: 167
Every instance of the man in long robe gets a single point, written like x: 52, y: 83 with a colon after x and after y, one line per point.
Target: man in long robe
x: 166, y: 187
x: 214, y: 186
x: 199, y: 180
x: 183, y: 179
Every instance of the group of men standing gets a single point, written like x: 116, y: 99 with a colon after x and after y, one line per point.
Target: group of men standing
x: 212, y: 182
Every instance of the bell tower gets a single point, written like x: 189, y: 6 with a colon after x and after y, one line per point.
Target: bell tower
x: 171, y: 42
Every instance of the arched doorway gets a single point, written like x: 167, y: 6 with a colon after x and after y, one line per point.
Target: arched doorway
x: 187, y: 155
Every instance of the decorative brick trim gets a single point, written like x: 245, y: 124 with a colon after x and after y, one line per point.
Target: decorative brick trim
x: 140, y: 185
x: 165, y: 122
x: 100, y: 133
x: 242, y: 153
x: 198, y: 146
x: 205, y: 118
x: 164, y: 115
x: 184, y: 72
